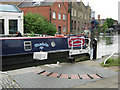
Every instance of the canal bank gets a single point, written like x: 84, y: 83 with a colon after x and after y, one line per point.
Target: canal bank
x: 29, y: 77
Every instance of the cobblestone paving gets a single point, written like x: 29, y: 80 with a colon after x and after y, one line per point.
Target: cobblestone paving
x: 8, y: 82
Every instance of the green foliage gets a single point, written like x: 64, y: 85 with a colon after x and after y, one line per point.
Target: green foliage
x: 111, y: 62
x: 104, y: 27
x: 110, y: 22
x: 35, y: 23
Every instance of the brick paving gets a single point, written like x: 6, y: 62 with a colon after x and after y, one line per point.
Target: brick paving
x: 85, y: 76
x: 54, y: 75
x: 45, y: 73
x: 64, y: 76
x: 74, y: 76
x: 94, y: 76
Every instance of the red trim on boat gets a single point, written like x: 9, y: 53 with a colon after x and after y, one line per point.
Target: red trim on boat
x: 17, y: 38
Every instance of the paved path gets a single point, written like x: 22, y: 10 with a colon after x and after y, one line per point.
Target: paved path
x: 28, y: 77
x: 111, y: 82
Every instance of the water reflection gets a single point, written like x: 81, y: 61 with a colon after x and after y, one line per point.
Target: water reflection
x: 108, y: 40
x: 106, y: 45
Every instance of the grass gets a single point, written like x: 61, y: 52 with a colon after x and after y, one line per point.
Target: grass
x: 111, y: 62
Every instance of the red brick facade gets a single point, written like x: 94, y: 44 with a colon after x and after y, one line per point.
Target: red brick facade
x: 47, y: 11
x: 44, y: 11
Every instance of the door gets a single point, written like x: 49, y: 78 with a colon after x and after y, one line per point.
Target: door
x: 59, y: 29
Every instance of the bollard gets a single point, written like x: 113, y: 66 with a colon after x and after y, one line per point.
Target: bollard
x: 94, y: 48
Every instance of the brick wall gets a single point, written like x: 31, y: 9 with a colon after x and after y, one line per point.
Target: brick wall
x: 62, y: 10
x: 44, y: 11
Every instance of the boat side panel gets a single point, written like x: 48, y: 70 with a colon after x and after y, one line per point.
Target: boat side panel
x: 15, y: 47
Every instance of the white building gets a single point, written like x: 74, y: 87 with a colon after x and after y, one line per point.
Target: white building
x: 11, y: 19
x: 92, y: 14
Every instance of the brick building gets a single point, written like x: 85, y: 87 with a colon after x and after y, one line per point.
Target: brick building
x: 68, y: 17
x: 80, y: 16
x: 55, y: 12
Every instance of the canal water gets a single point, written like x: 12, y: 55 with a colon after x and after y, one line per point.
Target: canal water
x: 107, y: 45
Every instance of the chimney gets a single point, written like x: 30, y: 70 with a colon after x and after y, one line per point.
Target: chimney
x: 99, y: 18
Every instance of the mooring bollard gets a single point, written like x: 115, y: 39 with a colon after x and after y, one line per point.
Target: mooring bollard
x: 94, y: 48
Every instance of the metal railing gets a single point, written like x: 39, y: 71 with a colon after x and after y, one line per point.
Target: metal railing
x: 86, y: 47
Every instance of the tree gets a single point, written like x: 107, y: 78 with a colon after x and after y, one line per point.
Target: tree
x: 110, y: 22
x: 105, y: 27
x: 35, y: 23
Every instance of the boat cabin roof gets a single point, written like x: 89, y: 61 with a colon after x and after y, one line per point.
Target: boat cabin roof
x: 16, y: 38
x: 9, y: 8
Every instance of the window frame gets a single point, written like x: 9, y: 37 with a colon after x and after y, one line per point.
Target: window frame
x: 59, y: 16
x: 13, y: 27
x: 64, y: 17
x: 30, y: 44
x: 54, y: 17
x: 74, y: 24
x: 64, y: 29
x: 59, y: 5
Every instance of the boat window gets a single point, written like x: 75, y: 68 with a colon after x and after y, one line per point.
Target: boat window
x: 2, y: 26
x: 13, y: 26
x: 27, y: 45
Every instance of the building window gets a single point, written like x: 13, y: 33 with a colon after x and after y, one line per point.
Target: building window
x: 74, y: 24
x: 82, y: 26
x: 64, y: 29
x: 59, y: 5
x: 64, y: 17
x: 78, y: 25
x: 59, y: 16
x: 85, y: 16
x: 78, y: 13
x: 2, y: 26
x: 13, y: 26
x: 74, y: 12
x: 71, y: 11
x: 82, y: 14
x: 88, y: 17
x: 54, y: 15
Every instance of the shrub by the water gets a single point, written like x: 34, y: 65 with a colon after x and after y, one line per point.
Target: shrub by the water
x: 111, y: 62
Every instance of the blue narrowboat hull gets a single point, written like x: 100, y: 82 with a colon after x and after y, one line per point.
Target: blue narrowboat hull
x: 27, y: 45
x: 16, y: 46
x: 19, y: 50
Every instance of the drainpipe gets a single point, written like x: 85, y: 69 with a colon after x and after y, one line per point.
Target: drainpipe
x: 50, y: 15
x: 67, y: 18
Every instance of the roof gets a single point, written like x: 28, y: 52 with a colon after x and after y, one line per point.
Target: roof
x: 9, y: 8
x: 33, y: 4
x: 26, y: 4
x: 14, y: 3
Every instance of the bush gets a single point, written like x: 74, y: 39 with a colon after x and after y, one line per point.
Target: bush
x: 111, y: 62
x: 35, y: 23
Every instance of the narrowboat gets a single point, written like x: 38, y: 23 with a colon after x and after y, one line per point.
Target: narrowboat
x: 16, y: 50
